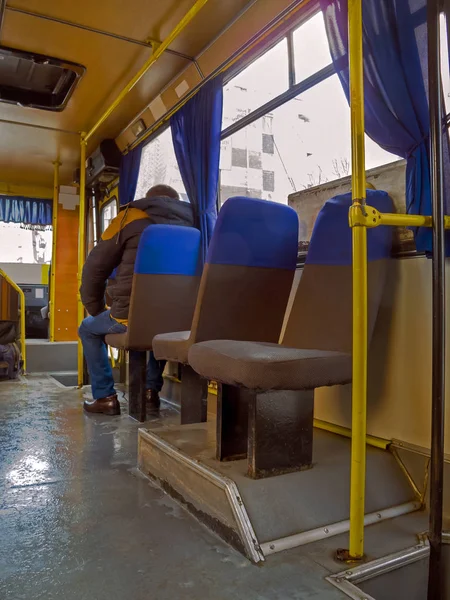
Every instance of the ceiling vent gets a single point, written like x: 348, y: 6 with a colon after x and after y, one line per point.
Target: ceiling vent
x: 36, y: 80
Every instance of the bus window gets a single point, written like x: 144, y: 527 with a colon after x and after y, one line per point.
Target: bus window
x: 25, y: 244
x: 303, y: 141
x: 284, y: 151
x: 108, y: 212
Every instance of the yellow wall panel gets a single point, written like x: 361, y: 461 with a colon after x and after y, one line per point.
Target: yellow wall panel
x: 66, y: 275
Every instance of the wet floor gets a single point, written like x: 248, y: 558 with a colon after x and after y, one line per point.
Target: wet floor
x: 77, y: 521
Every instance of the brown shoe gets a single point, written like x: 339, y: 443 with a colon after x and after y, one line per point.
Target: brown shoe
x: 103, y: 406
x: 152, y: 399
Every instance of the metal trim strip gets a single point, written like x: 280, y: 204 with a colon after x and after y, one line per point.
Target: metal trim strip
x: 347, y: 581
x: 314, y: 535
x: 224, y: 483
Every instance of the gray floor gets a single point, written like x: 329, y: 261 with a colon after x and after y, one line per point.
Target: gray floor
x: 78, y: 522
x: 408, y: 583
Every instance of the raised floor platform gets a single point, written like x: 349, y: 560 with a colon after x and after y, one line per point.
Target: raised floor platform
x: 265, y: 516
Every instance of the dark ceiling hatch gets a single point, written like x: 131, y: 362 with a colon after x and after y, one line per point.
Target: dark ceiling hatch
x: 35, y: 80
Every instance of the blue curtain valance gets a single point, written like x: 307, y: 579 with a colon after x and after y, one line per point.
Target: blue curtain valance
x: 27, y: 211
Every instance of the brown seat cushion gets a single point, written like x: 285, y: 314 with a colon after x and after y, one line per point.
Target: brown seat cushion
x: 117, y: 340
x: 263, y: 366
x: 172, y: 346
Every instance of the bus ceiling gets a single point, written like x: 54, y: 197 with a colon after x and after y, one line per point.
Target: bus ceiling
x: 111, y: 40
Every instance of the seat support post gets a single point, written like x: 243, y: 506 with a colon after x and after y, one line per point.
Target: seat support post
x: 232, y: 422
x: 194, y: 396
x: 137, y: 370
x: 280, y: 432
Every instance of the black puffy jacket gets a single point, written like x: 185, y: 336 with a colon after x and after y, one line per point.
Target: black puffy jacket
x: 117, y: 250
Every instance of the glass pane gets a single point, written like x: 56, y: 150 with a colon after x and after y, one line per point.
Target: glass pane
x: 109, y: 212
x: 304, y: 143
x: 19, y: 245
x: 311, y: 50
x: 266, y: 78
x: 445, y: 64
x: 159, y: 166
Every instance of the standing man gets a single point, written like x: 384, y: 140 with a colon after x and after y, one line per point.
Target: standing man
x: 117, y: 250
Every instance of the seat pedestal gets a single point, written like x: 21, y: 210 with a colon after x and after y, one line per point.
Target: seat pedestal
x: 194, y: 396
x: 136, y: 389
x: 273, y: 429
x: 280, y: 432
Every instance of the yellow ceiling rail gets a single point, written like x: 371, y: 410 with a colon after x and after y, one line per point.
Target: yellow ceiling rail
x: 221, y: 69
x: 153, y: 58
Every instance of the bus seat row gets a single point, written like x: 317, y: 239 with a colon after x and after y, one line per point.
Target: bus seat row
x: 243, y: 292
x: 273, y: 424
x: 266, y: 388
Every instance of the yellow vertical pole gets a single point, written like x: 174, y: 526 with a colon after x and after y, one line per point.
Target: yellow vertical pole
x: 81, y: 247
x: 56, y: 166
x: 359, y: 236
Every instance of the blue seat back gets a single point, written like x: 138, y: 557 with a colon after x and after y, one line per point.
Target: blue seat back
x: 248, y: 273
x: 331, y: 240
x: 168, y: 250
x: 255, y: 233
x: 321, y: 315
x: 165, y: 283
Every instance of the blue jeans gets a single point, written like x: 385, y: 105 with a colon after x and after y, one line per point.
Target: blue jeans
x: 92, y: 333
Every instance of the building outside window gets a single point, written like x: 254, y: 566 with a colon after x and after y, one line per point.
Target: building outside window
x: 159, y: 165
x: 25, y: 244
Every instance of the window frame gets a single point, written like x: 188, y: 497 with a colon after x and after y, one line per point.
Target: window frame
x: 293, y: 90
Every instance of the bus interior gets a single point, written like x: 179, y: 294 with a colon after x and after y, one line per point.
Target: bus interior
x: 301, y: 449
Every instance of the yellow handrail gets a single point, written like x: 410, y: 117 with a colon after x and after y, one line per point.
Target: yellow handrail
x: 359, y: 237
x: 22, y: 317
x: 153, y: 58
x: 222, y: 69
x: 371, y: 440
x: 52, y: 310
x: 81, y: 248
x: 371, y: 217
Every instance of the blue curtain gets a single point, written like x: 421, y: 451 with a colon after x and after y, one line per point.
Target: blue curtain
x: 196, y: 131
x: 395, y: 79
x: 128, y: 175
x: 29, y: 211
